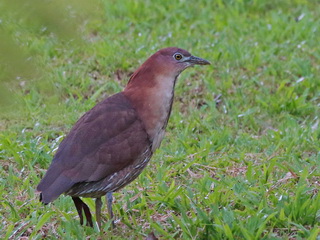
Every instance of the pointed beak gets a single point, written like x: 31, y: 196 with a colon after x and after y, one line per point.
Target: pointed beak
x: 198, y: 61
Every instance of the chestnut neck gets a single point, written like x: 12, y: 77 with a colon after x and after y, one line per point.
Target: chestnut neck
x: 151, y: 92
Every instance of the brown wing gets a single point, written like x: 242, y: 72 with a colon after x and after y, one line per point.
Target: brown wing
x: 105, y: 140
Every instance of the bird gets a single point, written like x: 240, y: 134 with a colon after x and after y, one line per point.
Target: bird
x: 110, y: 145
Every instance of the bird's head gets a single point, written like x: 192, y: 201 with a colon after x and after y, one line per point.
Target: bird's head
x: 174, y: 60
x: 168, y: 63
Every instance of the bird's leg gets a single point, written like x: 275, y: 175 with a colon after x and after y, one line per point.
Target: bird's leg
x: 109, y: 206
x: 78, y: 203
x: 98, y: 211
x: 81, y: 205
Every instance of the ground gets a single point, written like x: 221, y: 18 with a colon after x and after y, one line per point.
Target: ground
x: 241, y: 157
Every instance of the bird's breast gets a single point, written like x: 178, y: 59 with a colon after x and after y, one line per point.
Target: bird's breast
x: 153, y: 104
x: 157, y: 139
x: 161, y: 112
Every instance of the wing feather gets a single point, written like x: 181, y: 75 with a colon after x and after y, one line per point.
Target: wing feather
x: 105, y: 140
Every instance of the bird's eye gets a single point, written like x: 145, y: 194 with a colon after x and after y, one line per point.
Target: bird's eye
x: 177, y: 56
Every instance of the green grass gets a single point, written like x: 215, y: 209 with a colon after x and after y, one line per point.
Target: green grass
x: 241, y: 158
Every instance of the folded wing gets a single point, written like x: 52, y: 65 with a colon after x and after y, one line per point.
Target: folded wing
x: 105, y: 140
